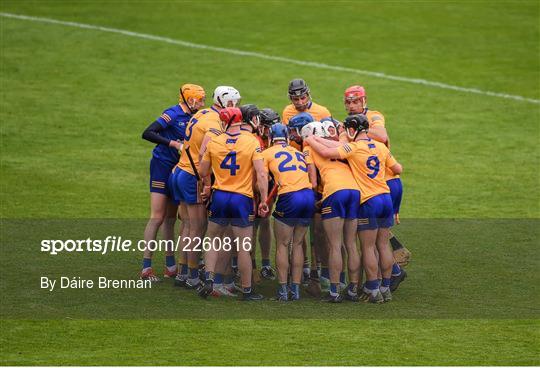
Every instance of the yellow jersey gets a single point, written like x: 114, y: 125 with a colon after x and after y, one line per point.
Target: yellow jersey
x: 335, y: 174
x: 368, y: 160
x: 231, y: 157
x: 203, y: 122
x: 288, y: 167
x: 375, y: 118
x: 317, y: 111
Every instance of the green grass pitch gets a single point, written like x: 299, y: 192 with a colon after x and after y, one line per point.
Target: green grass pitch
x: 73, y: 105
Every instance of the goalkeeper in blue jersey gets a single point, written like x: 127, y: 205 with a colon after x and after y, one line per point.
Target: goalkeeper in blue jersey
x: 167, y: 132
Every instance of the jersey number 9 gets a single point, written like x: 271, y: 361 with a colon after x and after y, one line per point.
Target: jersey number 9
x: 372, y: 164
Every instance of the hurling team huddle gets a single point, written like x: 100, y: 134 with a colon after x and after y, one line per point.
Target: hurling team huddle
x: 332, y: 188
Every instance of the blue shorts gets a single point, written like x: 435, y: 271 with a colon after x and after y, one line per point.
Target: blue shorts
x: 231, y: 208
x: 376, y: 212
x: 183, y: 186
x: 295, y: 208
x: 159, y: 176
x: 396, y: 191
x: 343, y: 203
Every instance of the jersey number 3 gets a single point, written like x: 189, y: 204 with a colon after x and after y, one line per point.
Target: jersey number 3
x: 229, y: 163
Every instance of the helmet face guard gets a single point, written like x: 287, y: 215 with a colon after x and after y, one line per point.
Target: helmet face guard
x: 295, y: 135
x: 255, y: 121
x: 278, y: 132
x: 296, y: 123
x: 301, y: 103
x: 315, y: 128
x: 299, y: 94
x: 357, y: 123
x: 250, y: 115
x: 329, y: 129
x: 193, y: 93
x: 352, y: 95
x: 267, y: 118
x: 353, y: 136
x: 226, y: 96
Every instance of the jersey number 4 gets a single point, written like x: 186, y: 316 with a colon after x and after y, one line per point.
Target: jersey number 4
x: 229, y: 163
x: 288, y: 158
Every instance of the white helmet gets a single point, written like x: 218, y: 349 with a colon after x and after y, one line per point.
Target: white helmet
x: 225, y: 94
x: 329, y: 129
x: 314, y: 128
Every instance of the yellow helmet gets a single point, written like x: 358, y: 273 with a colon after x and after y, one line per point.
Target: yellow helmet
x: 188, y: 91
x: 191, y: 92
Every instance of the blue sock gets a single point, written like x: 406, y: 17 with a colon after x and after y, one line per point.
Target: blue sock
x: 184, y: 269
x: 325, y: 272
x: 265, y: 262
x: 247, y: 290
x: 342, y: 277
x: 194, y: 273
x: 396, y: 270
x: 234, y: 262
x: 295, y: 289
x: 170, y: 261
x: 146, y: 262
x: 218, y: 278
x: 372, y: 285
x: 227, y: 279
x: 385, y: 282
x: 333, y: 288
x: 283, y: 289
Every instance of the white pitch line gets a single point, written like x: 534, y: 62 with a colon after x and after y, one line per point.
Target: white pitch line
x: 274, y: 58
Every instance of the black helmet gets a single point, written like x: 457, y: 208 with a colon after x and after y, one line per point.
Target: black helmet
x: 298, y: 87
x: 248, y: 112
x: 358, y: 122
x: 269, y: 117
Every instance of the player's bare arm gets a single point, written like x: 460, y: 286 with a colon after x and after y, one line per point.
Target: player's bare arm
x: 326, y: 152
x: 204, y: 172
x: 262, y: 186
x: 204, y: 143
x: 328, y: 142
x: 378, y: 133
x: 312, y: 172
x: 396, y: 169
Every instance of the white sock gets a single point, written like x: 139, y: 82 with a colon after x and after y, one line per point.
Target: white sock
x: 171, y: 268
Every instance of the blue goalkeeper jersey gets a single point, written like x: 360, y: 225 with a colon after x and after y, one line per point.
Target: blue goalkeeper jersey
x: 173, y: 120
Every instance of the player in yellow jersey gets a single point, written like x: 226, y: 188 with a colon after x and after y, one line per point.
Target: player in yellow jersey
x: 261, y: 229
x: 185, y: 178
x: 295, y: 126
x: 300, y: 98
x: 355, y: 100
x: 340, y: 203
x: 268, y: 117
x: 318, y: 282
x: 233, y: 157
x: 294, y: 208
x: 368, y: 160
